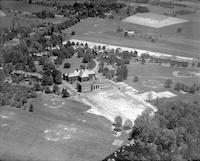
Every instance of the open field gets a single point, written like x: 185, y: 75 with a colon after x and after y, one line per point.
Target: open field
x: 65, y: 133
x: 153, y: 76
x: 22, y: 6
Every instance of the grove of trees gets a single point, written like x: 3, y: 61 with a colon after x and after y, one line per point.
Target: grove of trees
x: 171, y: 133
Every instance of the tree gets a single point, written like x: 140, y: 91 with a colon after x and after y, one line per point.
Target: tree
x: 127, y: 124
x: 73, y: 33
x: 168, y: 134
x: 31, y: 108
x: 67, y: 65
x: 122, y: 73
x: 58, y: 61
x: 82, y: 66
x: 118, y: 121
x: 177, y: 86
x: 65, y: 93
x: 135, y: 79
x: 57, y: 76
x: 87, y: 58
x: 47, y: 80
x: 179, y: 30
x: 37, y: 87
x: 78, y: 87
x: 55, y: 88
x: 119, y: 29
x: 192, y: 89
x: 168, y: 83
x: 142, y: 9
x: 143, y: 61
x: 47, y: 90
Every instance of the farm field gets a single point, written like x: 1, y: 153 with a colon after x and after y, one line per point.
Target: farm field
x: 22, y: 6
x: 58, y: 129
x: 104, y: 31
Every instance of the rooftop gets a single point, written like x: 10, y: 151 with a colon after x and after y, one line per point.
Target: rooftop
x: 81, y: 73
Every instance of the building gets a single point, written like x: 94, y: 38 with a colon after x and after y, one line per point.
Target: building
x: 79, y: 75
x: 34, y: 76
x: 13, y: 42
x: 92, y: 85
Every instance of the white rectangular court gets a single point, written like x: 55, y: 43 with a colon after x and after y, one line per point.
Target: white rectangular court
x: 113, y: 103
x: 153, y: 20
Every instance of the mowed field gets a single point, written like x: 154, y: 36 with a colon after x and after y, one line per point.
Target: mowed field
x: 74, y: 64
x: 5, y: 22
x: 153, y: 76
x: 58, y: 129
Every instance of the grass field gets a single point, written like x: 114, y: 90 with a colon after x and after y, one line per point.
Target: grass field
x: 5, y: 22
x: 75, y: 63
x: 66, y: 133
x: 153, y: 76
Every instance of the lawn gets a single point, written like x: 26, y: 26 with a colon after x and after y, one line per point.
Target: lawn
x: 80, y: 136
x: 75, y: 64
x: 153, y: 76
x: 5, y: 22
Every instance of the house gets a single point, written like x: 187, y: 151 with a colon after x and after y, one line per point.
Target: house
x: 130, y: 32
x: 13, y: 42
x: 34, y: 76
x: 92, y: 85
x: 79, y: 75
x: 40, y: 54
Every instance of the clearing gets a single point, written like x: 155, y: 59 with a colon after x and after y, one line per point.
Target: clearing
x: 65, y: 133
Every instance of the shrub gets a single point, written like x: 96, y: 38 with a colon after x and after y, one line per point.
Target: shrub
x: 142, y: 9
x: 37, y: 87
x: 135, y: 79
x: 67, y: 65
x: 87, y: 58
x: 65, y: 93
x: 47, y: 90
x: 118, y: 121
x: 168, y: 83
x: 73, y: 33
x: 55, y: 88
x: 31, y: 108
x: 127, y: 124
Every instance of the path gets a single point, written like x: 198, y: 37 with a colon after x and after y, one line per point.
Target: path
x: 96, y: 68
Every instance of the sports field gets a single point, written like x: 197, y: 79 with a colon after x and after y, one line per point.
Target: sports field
x: 153, y: 20
x: 58, y: 129
x: 117, y: 102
